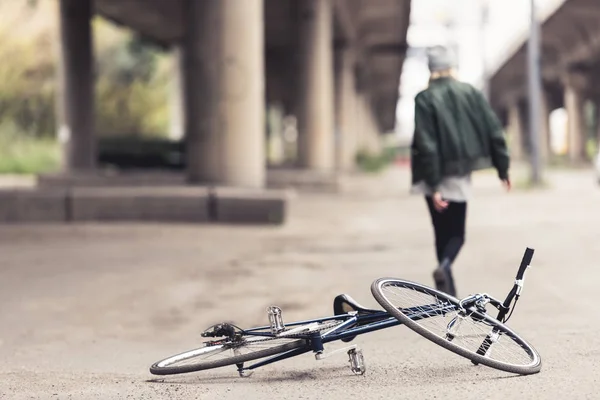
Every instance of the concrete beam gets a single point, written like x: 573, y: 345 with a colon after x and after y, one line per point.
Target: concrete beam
x: 579, y: 11
x: 582, y: 50
x: 346, y: 19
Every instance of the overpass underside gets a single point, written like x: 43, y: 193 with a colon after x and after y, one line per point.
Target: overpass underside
x: 570, y: 59
x: 334, y: 64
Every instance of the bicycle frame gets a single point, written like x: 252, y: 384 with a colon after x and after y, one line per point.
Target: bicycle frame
x: 359, y: 324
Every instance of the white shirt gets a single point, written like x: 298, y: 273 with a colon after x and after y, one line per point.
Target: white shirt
x: 452, y: 188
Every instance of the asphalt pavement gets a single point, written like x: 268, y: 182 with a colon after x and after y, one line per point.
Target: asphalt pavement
x: 86, y: 309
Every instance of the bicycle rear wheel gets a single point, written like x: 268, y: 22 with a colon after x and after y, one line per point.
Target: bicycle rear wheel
x: 439, y: 318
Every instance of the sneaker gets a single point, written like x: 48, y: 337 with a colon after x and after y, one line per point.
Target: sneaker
x: 451, y: 287
x: 441, y: 279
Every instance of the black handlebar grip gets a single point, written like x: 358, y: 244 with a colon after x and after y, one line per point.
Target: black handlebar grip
x: 525, y: 262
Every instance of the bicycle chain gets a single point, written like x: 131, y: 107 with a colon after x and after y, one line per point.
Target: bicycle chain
x: 320, y: 328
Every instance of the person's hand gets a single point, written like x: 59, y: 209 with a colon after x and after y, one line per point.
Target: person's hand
x: 439, y: 203
x: 506, y: 183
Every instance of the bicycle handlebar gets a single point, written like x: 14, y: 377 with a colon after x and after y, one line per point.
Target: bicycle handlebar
x: 518, y: 286
x: 525, y: 262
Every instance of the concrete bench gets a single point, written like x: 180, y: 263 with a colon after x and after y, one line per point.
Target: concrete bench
x: 194, y: 204
x: 233, y: 205
x: 19, y: 205
x: 153, y: 204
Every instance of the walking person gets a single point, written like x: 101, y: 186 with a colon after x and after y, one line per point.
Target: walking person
x: 456, y: 133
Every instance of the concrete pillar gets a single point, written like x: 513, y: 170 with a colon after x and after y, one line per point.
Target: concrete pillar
x: 597, y: 104
x: 545, y: 145
x: 369, y: 136
x: 374, y: 134
x: 362, y: 124
x: 77, y: 79
x: 177, y: 96
x: 358, y: 123
x: 225, y: 94
x: 346, y: 109
x: 316, y: 90
x: 515, y: 131
x: 576, y: 130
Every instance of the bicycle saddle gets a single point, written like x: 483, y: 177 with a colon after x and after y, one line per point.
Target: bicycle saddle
x: 343, y: 304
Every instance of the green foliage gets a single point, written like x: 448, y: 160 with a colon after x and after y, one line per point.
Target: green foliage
x: 591, y: 148
x: 26, y: 154
x: 131, y: 90
x: 27, y: 86
x: 131, y: 86
x: 370, y: 162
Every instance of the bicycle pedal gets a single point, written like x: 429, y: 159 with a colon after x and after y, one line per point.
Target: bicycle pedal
x: 357, y: 362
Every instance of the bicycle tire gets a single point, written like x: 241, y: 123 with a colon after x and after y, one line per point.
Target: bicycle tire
x: 533, y: 367
x: 291, y: 341
x: 163, y: 367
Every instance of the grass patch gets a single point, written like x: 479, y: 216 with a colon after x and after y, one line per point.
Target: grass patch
x: 28, y: 156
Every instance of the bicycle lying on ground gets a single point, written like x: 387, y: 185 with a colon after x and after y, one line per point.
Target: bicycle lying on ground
x: 461, y: 326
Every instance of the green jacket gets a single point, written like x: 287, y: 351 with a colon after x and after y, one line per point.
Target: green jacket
x: 456, y: 132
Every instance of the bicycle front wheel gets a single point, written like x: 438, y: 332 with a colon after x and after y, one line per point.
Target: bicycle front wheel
x: 246, y: 347
x: 215, y: 355
x: 468, y: 333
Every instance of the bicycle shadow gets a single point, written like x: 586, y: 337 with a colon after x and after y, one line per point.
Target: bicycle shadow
x: 395, y: 374
x: 257, y: 377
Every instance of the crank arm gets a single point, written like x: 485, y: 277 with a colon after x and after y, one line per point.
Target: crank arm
x: 321, y: 355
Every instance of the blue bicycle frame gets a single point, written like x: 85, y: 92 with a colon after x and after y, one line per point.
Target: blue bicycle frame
x: 353, y: 325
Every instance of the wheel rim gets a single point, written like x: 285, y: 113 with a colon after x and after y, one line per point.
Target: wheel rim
x: 225, y: 351
x: 465, y: 333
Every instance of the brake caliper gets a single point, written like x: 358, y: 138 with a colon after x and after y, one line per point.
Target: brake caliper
x: 220, y: 330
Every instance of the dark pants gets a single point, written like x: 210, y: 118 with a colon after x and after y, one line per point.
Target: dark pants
x: 449, y: 228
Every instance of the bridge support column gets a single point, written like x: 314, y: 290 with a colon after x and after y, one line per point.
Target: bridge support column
x: 374, y: 136
x: 76, y: 129
x: 574, y: 102
x: 346, y: 108
x: 545, y: 143
x: 225, y: 93
x: 516, y: 130
x: 316, y: 89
